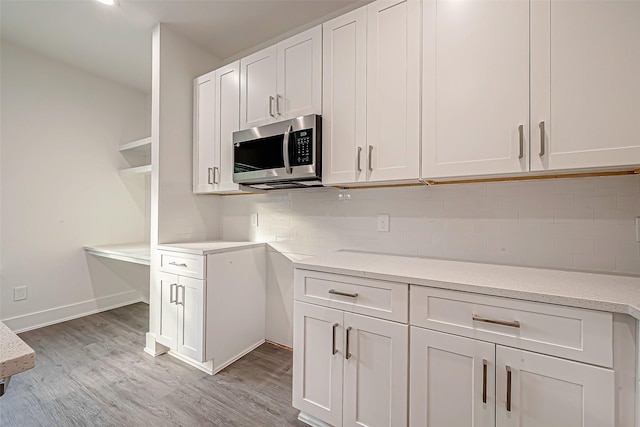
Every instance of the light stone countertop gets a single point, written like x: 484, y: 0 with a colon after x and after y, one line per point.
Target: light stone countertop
x: 15, y: 355
x: 611, y: 293
x: 205, y: 248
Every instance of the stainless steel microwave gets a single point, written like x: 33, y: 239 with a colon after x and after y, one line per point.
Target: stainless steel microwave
x: 286, y: 154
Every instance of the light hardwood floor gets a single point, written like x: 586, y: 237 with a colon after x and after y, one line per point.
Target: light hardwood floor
x: 92, y: 372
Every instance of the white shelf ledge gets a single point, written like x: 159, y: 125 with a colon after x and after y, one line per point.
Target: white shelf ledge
x: 144, y: 142
x: 138, y: 170
x: 137, y: 253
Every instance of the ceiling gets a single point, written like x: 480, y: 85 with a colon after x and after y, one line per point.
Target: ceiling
x: 115, y: 41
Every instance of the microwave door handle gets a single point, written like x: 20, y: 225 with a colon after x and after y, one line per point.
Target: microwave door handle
x: 285, y: 150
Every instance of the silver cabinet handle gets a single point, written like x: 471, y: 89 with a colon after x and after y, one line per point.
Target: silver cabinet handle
x: 177, y: 265
x: 521, y: 139
x: 513, y: 324
x: 216, y: 175
x: 347, y: 354
x: 370, y: 151
x: 508, y: 388
x: 541, y: 126
x: 180, y: 302
x: 278, y: 97
x: 271, y: 106
x: 171, y: 288
x: 344, y: 294
x: 210, y: 179
x: 334, y: 350
x: 285, y: 149
x: 359, y: 155
x: 484, y: 380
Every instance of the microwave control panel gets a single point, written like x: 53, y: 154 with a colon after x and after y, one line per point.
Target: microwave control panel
x: 301, y: 151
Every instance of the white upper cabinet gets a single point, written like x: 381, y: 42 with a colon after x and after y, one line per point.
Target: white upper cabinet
x: 371, y: 85
x: 344, y: 109
x: 393, y: 90
x: 585, y: 58
x: 216, y: 117
x: 282, y: 81
x: 475, y: 87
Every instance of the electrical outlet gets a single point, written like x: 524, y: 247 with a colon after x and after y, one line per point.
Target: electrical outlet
x: 254, y: 219
x: 20, y: 293
x: 383, y: 222
x: 638, y: 229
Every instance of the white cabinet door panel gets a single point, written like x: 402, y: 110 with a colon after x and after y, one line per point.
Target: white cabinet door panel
x: 584, y: 83
x: 227, y: 121
x: 190, y: 309
x: 552, y: 392
x: 317, y: 363
x: 375, y: 373
x: 393, y: 90
x: 258, y: 88
x: 344, y: 112
x: 205, y: 158
x: 300, y: 75
x: 452, y: 380
x: 168, y: 328
x: 475, y: 87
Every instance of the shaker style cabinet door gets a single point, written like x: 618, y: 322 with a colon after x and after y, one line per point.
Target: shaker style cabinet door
x: 318, y: 356
x: 190, y: 313
x: 205, y: 159
x: 585, y: 90
x: 168, y: 328
x: 534, y: 390
x: 393, y: 90
x: 227, y: 121
x: 452, y: 381
x: 258, y: 88
x: 375, y: 372
x: 475, y: 94
x: 344, y: 108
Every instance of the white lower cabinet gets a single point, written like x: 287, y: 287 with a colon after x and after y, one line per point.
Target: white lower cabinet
x: 349, y: 369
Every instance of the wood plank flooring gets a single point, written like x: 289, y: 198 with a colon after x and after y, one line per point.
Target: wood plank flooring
x: 92, y: 372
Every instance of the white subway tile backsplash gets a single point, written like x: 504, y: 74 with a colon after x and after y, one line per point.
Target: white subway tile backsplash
x: 584, y: 223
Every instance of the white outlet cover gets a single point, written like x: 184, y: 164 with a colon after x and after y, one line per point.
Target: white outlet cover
x: 20, y: 293
x: 638, y: 229
x: 383, y: 222
x: 254, y: 219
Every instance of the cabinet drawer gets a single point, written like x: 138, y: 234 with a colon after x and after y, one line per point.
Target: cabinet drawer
x: 377, y: 298
x: 568, y: 332
x: 182, y: 264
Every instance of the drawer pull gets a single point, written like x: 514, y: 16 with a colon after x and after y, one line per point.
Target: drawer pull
x: 177, y: 265
x: 344, y: 294
x: 334, y: 350
x: 347, y: 354
x: 508, y: 388
x: 514, y: 324
x: 484, y: 380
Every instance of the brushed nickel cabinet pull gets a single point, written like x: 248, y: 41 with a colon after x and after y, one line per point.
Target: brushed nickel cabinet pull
x: 177, y: 265
x: 513, y: 324
x: 171, y: 297
x: 359, y: 155
x: 347, y: 354
x: 508, y: 388
x: 216, y: 175
x: 370, y: 157
x: 334, y: 350
x: 521, y: 139
x: 541, y: 126
x: 484, y: 380
x: 278, y: 97
x: 271, y: 106
x: 344, y: 294
x: 210, y: 179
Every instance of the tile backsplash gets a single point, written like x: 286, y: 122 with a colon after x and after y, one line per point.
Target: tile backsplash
x: 578, y: 223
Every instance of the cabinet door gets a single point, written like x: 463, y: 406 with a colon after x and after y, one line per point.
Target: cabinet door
x: 205, y: 158
x: 227, y: 121
x: 475, y: 87
x: 393, y: 90
x: 258, y: 88
x: 585, y: 62
x: 300, y: 75
x: 375, y: 372
x: 190, y: 312
x: 317, y: 361
x: 344, y: 112
x: 551, y: 392
x: 168, y: 285
x: 452, y: 381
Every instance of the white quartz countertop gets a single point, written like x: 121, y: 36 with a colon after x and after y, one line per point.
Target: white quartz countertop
x: 205, y: 248
x: 617, y: 294
x: 15, y: 355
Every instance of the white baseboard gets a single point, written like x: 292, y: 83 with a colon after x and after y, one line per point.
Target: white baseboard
x: 39, y: 319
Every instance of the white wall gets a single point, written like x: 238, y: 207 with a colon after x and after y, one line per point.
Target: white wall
x: 585, y: 224
x: 61, y: 128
